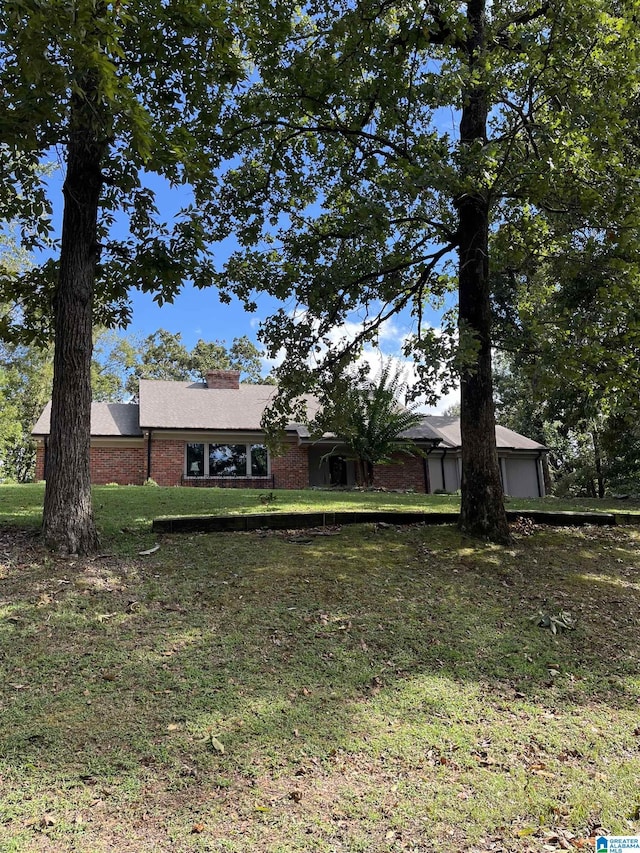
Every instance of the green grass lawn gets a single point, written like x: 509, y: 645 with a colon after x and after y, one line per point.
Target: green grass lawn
x: 355, y: 689
x: 132, y: 508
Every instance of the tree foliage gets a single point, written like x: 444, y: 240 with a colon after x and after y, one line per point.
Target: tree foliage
x: 368, y: 417
x: 383, y: 146
x: 163, y: 355
x: 123, y: 91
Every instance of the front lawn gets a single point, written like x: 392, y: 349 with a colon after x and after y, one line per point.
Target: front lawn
x: 131, y: 509
x: 362, y: 689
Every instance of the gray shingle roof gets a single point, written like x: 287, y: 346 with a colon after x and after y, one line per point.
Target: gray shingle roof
x: 107, y: 419
x: 449, y: 430
x: 422, y: 432
x: 191, y: 405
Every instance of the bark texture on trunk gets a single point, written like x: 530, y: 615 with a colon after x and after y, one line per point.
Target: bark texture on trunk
x: 482, y: 511
x: 597, y: 456
x: 68, y: 522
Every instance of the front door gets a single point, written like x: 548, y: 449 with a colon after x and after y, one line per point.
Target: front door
x: 337, y: 471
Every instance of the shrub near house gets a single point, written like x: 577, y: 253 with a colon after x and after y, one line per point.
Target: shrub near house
x: 209, y: 434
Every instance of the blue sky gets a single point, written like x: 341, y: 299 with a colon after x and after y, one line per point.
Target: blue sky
x: 199, y: 314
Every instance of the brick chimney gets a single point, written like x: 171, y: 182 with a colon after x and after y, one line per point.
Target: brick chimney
x: 223, y: 379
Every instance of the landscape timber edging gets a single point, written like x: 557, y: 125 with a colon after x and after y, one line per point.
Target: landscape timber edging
x: 301, y: 520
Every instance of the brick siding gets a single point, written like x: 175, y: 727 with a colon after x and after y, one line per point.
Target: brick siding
x: 291, y: 470
x: 407, y: 473
x: 229, y: 482
x: 167, y: 461
x: 128, y: 466
x: 39, y: 473
x: 123, y: 465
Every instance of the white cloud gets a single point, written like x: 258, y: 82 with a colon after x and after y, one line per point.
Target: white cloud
x: 392, y: 337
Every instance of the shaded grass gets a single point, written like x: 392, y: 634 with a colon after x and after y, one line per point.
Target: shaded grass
x: 131, y: 509
x: 372, y: 690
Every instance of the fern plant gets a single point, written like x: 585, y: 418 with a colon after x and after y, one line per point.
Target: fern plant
x: 368, y: 418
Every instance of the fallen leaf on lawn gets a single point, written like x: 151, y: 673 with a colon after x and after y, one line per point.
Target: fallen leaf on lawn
x: 525, y: 831
x: 103, y: 616
x: 197, y: 828
x: 149, y: 551
x: 46, y: 821
x: 173, y: 727
x: 108, y: 676
x: 215, y: 744
x: 263, y: 808
x: 296, y: 796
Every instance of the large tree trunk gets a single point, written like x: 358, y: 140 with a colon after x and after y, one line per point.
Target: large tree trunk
x: 482, y: 510
x: 68, y: 522
x: 597, y: 457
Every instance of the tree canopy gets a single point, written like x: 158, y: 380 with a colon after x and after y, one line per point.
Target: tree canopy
x: 120, y: 93
x: 163, y: 355
x: 394, y: 151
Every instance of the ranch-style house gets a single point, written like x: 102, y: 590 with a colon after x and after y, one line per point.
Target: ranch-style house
x: 209, y: 434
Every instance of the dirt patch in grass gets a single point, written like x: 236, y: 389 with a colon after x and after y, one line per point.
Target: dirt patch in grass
x: 376, y: 689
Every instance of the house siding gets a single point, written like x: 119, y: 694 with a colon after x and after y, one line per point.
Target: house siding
x: 288, y: 471
x: 167, y: 461
x: 447, y: 464
x: 109, y: 464
x: 229, y: 482
x: 406, y: 473
x: 39, y: 472
x: 122, y: 465
x: 291, y: 469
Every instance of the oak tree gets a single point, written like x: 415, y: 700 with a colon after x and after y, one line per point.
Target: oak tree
x: 384, y: 144
x: 119, y: 93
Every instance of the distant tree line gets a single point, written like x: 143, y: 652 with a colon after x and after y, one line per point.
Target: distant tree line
x: 569, y: 368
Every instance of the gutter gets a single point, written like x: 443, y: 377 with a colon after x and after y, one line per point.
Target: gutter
x: 425, y: 465
x: 149, y: 434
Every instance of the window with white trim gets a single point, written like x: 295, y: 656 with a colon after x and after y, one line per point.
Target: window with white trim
x: 226, y: 460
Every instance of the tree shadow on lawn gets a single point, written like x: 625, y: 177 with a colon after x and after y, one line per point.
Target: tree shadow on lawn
x: 241, y: 656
